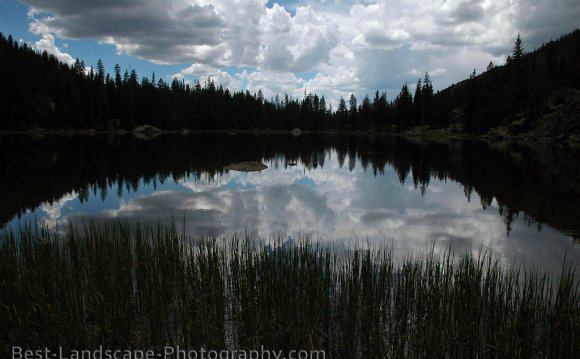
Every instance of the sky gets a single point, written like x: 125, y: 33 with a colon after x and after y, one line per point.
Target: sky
x: 329, y: 47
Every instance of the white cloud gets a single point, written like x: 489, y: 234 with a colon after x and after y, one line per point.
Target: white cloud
x: 47, y: 44
x: 335, y: 83
x: 202, y: 72
x: 272, y: 83
x: 343, y: 47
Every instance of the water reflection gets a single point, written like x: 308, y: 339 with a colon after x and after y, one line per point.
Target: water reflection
x: 332, y: 187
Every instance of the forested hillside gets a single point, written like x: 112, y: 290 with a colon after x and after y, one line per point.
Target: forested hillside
x: 537, y: 93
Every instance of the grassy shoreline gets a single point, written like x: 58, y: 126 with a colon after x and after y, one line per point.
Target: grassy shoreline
x: 149, y: 286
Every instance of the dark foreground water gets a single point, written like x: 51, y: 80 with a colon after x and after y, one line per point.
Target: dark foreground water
x: 522, y: 202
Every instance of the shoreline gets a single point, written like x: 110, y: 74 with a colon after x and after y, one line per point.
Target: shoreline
x: 420, y: 132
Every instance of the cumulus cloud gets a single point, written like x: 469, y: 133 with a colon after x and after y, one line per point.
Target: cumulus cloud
x: 47, y: 44
x: 272, y: 82
x: 301, y: 43
x: 457, y: 12
x: 335, y: 83
x: 163, y: 32
x: 200, y: 72
x: 331, y: 48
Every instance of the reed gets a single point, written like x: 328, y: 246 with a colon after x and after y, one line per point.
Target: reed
x: 149, y: 286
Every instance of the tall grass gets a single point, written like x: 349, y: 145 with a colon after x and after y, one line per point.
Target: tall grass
x: 150, y: 286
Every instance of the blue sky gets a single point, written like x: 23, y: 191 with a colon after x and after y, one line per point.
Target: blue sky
x: 331, y: 47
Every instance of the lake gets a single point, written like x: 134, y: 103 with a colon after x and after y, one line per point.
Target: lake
x: 520, y: 201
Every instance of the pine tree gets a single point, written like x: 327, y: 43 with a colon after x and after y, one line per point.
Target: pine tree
x: 100, y: 71
x: 380, y: 110
x: 418, y: 104
x: 518, y: 49
x: 352, y: 113
x: 473, y: 74
x: 427, y: 115
x: 11, y: 41
x: 519, y: 83
x: 404, y: 107
x: 322, y: 106
x: 341, y: 115
x: 322, y: 122
x: 427, y: 86
x: 366, y: 115
x: 79, y: 67
x: 118, y: 80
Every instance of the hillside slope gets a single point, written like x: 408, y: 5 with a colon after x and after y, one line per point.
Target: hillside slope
x: 535, y: 95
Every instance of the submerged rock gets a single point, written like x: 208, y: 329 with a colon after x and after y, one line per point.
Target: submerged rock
x: 146, y: 129
x: 146, y: 132
x: 246, y: 166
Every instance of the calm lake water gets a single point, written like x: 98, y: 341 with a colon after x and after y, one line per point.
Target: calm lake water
x: 522, y: 202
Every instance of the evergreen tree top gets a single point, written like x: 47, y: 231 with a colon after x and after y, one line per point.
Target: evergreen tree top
x: 518, y: 49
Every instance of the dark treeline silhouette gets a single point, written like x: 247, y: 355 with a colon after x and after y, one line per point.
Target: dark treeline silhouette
x: 37, y: 91
x: 540, y: 182
x: 521, y: 94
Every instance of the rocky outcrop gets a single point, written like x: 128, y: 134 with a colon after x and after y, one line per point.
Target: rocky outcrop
x: 560, y: 119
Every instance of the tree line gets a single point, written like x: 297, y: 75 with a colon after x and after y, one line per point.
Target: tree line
x: 38, y: 91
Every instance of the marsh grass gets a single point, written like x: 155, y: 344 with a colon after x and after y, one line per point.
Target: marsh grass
x: 148, y: 286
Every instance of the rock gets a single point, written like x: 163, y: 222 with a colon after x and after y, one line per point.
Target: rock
x: 246, y: 166
x: 560, y: 117
x: 146, y: 129
x: 146, y: 132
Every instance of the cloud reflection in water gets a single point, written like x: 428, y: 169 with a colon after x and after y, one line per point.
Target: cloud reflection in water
x: 335, y: 204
